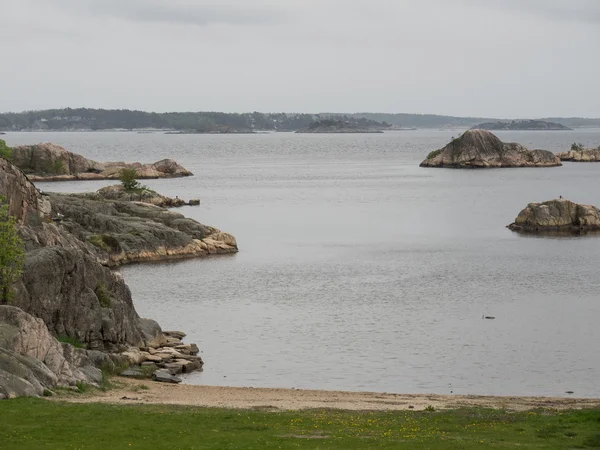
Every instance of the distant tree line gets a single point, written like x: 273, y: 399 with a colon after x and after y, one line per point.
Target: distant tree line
x: 205, y: 122
x: 102, y: 119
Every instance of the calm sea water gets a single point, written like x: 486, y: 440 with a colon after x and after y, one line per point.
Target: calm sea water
x: 358, y: 270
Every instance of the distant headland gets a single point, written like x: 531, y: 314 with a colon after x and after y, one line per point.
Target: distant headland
x: 530, y: 125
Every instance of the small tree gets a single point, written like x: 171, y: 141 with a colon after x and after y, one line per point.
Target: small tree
x: 577, y: 147
x: 5, y: 151
x: 128, y: 179
x: 12, y: 254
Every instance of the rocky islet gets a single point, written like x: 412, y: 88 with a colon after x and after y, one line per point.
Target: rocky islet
x: 51, y: 162
x: 482, y: 149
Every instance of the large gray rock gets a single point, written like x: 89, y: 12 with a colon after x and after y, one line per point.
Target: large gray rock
x: 26, y: 204
x: 557, y: 215
x: 50, y: 162
x: 482, y: 149
x: 35, y: 359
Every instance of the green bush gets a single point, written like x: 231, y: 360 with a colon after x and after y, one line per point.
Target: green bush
x: 5, y: 151
x: 103, y: 296
x: 128, y: 179
x: 433, y: 154
x: 12, y: 254
x: 70, y: 340
x: 577, y: 147
x: 105, y: 242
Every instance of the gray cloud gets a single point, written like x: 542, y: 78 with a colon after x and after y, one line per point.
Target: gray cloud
x: 190, y: 12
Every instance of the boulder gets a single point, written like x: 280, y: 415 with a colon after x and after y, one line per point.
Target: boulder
x: 557, y: 215
x: 482, y: 149
x: 35, y: 359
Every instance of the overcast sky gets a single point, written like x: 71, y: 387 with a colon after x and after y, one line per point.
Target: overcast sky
x: 494, y: 58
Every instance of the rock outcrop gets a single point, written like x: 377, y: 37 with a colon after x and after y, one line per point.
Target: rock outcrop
x: 581, y: 155
x: 557, y: 215
x: 32, y: 360
x: 482, y: 149
x: 50, y: 162
x: 143, y: 195
x: 66, y: 289
x: 119, y: 232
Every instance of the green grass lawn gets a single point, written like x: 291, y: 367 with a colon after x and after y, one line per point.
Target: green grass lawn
x: 41, y: 424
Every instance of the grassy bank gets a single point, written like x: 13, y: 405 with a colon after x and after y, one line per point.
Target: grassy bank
x: 43, y: 424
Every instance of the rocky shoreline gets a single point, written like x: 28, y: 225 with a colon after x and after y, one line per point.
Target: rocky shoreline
x: 71, y: 315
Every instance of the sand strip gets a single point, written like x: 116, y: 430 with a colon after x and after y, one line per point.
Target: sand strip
x: 131, y: 392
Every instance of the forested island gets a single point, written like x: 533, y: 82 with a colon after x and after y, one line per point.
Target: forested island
x: 521, y: 125
x: 87, y: 119
x: 351, y: 125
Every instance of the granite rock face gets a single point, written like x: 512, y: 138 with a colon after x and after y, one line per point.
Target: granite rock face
x: 118, y: 192
x: 557, y: 215
x: 482, y: 149
x: 51, y: 162
x: 32, y: 360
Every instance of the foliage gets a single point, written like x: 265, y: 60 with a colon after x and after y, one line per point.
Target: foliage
x: 32, y: 423
x: 577, y: 147
x: 128, y: 179
x: 5, y: 151
x: 103, y: 296
x: 12, y: 254
x: 71, y: 340
x: 57, y: 168
x: 433, y: 154
x: 105, y: 242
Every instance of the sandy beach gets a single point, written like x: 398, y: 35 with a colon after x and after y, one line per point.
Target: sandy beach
x: 128, y: 391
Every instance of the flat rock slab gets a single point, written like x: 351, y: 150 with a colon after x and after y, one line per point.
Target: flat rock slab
x: 163, y: 376
x: 135, y: 373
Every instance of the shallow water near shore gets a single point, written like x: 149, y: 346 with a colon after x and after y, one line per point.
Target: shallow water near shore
x: 360, y: 271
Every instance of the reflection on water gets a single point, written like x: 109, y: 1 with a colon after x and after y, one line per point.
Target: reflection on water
x: 359, y: 270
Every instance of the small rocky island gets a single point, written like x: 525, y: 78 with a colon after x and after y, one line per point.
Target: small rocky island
x: 345, y: 126
x: 559, y: 215
x: 50, y: 162
x: 70, y: 316
x: 482, y: 149
x: 521, y: 125
x: 579, y: 153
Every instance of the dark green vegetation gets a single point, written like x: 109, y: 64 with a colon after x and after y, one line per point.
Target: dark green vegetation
x: 128, y: 179
x: 521, y: 125
x: 70, y: 340
x: 12, y: 254
x: 216, y: 122
x: 36, y: 423
x: 5, y: 151
x: 434, y: 153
